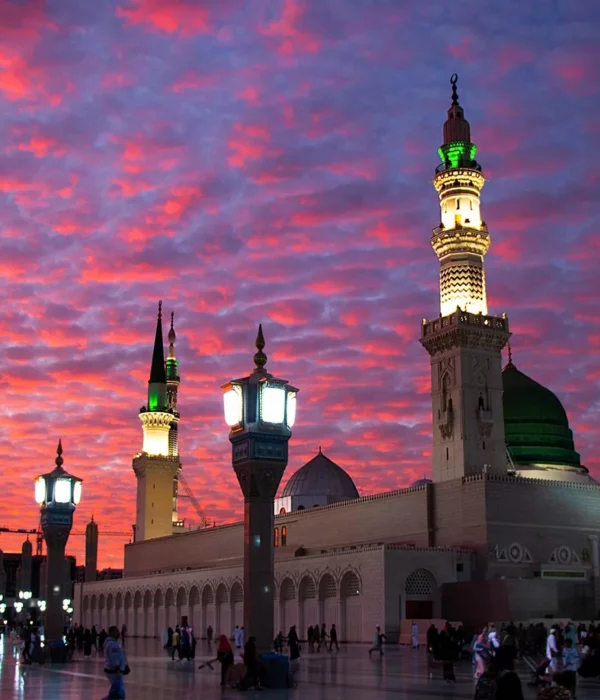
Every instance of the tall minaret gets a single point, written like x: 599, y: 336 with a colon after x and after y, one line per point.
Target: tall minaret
x: 156, y: 466
x: 91, y: 550
x: 464, y: 343
x: 172, y: 387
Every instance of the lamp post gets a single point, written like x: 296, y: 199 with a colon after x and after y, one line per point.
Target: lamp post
x: 57, y: 494
x: 260, y: 411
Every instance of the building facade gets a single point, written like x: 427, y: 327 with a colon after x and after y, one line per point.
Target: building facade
x: 507, y: 528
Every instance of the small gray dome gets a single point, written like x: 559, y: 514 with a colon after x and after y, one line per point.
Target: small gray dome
x: 422, y: 482
x: 321, y: 477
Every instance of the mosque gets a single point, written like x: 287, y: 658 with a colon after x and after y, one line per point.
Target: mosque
x: 506, y: 529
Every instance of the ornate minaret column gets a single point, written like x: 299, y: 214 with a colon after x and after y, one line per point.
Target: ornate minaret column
x: 156, y: 467
x: 91, y: 550
x: 172, y: 388
x: 464, y: 343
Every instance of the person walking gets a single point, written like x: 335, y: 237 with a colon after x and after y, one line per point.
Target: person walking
x: 570, y: 658
x: 115, y: 665
x: 333, y: 638
x: 316, y: 637
x: 552, y: 651
x: 310, y: 638
x: 175, y: 643
x: 123, y: 634
x: 224, y: 657
x: 294, y: 643
x: 236, y: 637
x: 414, y: 635
x: 251, y: 679
x: 101, y: 639
x: 95, y: 637
x: 209, y: 634
x: 87, y: 643
x: 481, y: 654
x: 322, y: 637
x: 447, y: 653
x: 378, y: 641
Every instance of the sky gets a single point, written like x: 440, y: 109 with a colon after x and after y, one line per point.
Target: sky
x: 271, y: 161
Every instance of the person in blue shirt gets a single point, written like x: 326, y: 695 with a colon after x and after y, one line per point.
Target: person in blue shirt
x: 570, y: 657
x: 115, y: 665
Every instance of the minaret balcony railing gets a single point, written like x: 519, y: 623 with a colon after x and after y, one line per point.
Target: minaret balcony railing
x: 464, y: 318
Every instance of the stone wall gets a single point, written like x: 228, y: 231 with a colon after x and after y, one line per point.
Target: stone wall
x: 395, y: 517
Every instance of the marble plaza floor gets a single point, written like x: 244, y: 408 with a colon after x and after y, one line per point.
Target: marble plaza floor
x: 350, y: 675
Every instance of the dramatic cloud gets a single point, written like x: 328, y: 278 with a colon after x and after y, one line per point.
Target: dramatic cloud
x: 271, y: 161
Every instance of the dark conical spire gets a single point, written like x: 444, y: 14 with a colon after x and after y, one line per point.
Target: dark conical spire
x: 157, y: 369
x: 260, y: 359
x: 456, y: 128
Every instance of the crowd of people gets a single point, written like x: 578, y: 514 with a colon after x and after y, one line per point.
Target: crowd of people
x: 179, y: 642
x: 555, y: 657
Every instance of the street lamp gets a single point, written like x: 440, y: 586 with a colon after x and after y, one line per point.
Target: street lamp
x: 260, y: 411
x: 57, y: 494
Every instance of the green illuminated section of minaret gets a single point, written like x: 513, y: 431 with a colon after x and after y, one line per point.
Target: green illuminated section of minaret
x: 458, y: 154
x: 171, y: 368
x: 153, y: 398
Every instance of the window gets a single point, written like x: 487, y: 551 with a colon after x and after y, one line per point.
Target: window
x: 460, y: 568
x: 300, y: 507
x: 283, y: 536
x: 447, y: 453
x: 483, y: 445
x: 276, y: 537
x: 282, y: 511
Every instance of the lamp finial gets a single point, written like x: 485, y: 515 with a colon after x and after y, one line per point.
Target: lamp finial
x: 59, y: 450
x: 260, y: 359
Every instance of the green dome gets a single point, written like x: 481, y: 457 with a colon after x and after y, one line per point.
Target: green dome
x: 536, y: 424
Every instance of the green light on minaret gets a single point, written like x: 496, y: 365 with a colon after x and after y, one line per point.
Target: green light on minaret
x: 458, y: 154
x: 153, y: 398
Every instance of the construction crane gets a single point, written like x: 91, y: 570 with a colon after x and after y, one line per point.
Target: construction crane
x: 194, y: 501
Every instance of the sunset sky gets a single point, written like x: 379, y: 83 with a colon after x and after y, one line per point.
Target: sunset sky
x: 271, y: 161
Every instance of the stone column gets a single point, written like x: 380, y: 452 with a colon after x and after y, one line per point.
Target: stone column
x: 54, y: 615
x: 259, y: 565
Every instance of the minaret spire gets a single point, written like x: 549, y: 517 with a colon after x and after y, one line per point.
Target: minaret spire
x: 157, y: 369
x: 462, y: 239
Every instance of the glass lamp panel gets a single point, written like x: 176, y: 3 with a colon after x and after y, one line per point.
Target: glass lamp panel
x: 232, y: 403
x: 291, y: 408
x: 62, y: 491
x: 272, y: 407
x: 77, y: 492
x: 40, y: 490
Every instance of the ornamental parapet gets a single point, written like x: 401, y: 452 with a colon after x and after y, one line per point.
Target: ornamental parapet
x: 457, y: 177
x: 460, y: 240
x: 464, y: 328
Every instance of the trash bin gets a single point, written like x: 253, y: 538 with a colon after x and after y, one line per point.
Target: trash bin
x: 274, y: 670
x: 58, y: 653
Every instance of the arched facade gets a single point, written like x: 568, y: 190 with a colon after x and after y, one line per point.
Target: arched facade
x: 353, y: 590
